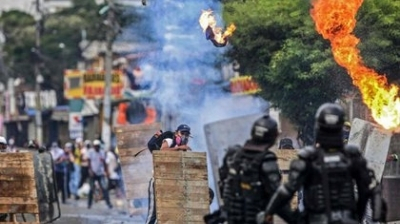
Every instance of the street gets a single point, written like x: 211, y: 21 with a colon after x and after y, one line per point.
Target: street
x: 76, y: 212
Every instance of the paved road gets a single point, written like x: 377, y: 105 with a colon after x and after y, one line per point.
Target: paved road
x: 76, y: 212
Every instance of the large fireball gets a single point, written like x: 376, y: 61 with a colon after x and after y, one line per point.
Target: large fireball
x: 335, y: 20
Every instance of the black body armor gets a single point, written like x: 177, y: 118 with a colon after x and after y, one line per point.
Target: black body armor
x: 329, y: 190
x: 327, y: 174
x: 253, y: 178
x: 327, y: 178
x: 243, y: 194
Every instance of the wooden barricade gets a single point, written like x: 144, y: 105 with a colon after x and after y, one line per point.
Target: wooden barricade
x: 17, y: 186
x: 181, y: 187
x: 137, y: 163
x: 285, y: 156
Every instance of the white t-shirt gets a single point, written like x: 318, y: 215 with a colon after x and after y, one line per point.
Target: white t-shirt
x: 11, y: 149
x: 84, y: 156
x: 56, y: 153
x: 112, y: 165
x: 169, y: 141
x: 97, y: 161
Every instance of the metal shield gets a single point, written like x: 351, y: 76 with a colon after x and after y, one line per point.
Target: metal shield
x: 49, y: 207
x: 229, y: 132
x: 137, y: 165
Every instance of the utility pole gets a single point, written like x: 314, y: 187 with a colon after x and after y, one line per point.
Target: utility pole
x: 39, y: 79
x: 106, y: 121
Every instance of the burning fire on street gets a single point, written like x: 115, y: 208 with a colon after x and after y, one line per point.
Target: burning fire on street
x: 335, y: 20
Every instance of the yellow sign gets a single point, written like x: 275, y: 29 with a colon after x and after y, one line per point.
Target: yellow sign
x: 90, y: 84
x: 244, y: 85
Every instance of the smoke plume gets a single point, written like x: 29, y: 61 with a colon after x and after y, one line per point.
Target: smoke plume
x: 186, y: 71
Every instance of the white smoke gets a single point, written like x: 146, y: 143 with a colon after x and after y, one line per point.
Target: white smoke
x: 185, y: 73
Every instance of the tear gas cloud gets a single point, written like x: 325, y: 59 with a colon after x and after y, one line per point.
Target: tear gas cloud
x: 183, y: 69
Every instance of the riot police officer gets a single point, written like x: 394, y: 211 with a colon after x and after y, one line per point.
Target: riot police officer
x: 327, y: 172
x: 253, y: 176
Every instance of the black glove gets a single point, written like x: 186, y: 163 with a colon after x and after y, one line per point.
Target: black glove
x: 378, y: 205
x: 216, y: 217
x: 380, y: 216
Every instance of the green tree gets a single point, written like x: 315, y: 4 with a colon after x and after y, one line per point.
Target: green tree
x: 276, y: 42
x: 378, y: 29
x: 19, y: 31
x: 60, y: 39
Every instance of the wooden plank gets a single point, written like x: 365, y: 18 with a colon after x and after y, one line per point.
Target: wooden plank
x: 176, y: 203
x: 17, y: 183
x: 285, y: 156
x: 181, y: 215
x: 18, y: 200
x: 135, y: 136
x: 181, y: 186
x: 19, y: 208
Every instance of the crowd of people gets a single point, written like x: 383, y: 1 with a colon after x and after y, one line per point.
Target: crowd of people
x: 86, y: 162
x: 82, y: 168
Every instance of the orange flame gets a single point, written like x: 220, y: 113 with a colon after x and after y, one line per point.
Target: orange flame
x: 335, y: 20
x: 207, y: 19
x: 229, y: 31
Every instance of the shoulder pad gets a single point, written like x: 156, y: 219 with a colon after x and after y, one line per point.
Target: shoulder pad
x: 298, y: 165
x: 307, y: 153
x: 231, y: 150
x: 269, y: 156
x: 352, y: 150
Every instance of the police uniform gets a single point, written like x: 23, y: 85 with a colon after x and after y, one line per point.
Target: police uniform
x: 252, y: 176
x: 327, y: 173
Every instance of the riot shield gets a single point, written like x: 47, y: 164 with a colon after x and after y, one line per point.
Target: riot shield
x: 49, y: 206
x: 217, y: 144
x: 137, y: 165
x: 374, y: 142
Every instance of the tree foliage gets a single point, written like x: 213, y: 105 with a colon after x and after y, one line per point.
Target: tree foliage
x: 276, y: 42
x: 19, y: 31
x: 61, y: 36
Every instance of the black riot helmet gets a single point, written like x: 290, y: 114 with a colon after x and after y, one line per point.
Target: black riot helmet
x: 264, y: 131
x: 329, y: 121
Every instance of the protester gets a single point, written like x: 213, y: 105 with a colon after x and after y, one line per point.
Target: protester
x: 113, y: 167
x: 177, y: 141
x: 84, y: 162
x: 3, y: 144
x: 60, y: 159
x: 11, y: 145
x: 180, y: 140
x: 75, y: 169
x: 97, y: 172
